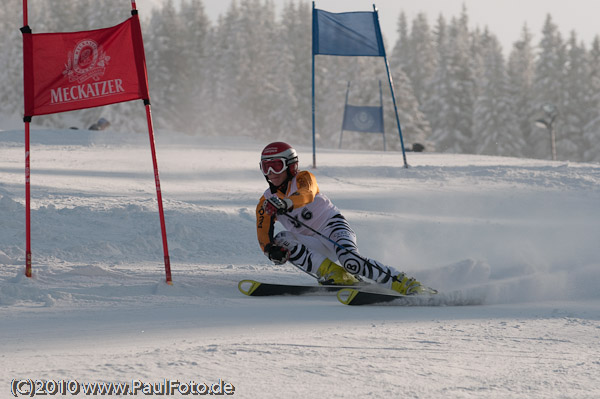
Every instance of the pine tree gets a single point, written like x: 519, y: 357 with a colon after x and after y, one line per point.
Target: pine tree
x: 257, y: 58
x: 293, y: 74
x: 415, y: 126
x: 224, y: 70
x: 495, y: 125
x: 11, y: 67
x: 547, y: 86
x: 591, y: 135
x: 415, y: 54
x: 575, y: 99
x: 194, y: 77
x: 521, y: 69
x: 331, y: 79
x: 400, y: 54
x: 423, y: 60
x: 166, y: 63
x: 435, y: 107
x: 477, y: 52
x: 450, y: 108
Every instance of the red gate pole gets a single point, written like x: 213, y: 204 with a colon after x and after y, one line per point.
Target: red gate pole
x: 27, y: 120
x: 140, y: 57
x: 28, y: 272
x: 158, y: 194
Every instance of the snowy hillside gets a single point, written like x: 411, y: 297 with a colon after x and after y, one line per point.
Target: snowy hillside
x: 518, y: 237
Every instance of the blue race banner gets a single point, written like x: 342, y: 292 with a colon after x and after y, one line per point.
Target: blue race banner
x: 347, y: 34
x: 363, y: 119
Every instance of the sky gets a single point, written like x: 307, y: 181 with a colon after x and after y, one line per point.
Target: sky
x: 504, y: 18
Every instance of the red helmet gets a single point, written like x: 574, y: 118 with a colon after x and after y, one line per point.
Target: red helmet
x: 277, y: 157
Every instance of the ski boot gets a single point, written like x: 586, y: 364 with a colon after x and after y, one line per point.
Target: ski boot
x: 407, y: 286
x: 330, y: 273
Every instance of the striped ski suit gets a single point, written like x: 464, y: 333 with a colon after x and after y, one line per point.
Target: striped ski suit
x: 307, y: 249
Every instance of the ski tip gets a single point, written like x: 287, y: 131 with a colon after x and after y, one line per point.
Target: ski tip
x: 247, y: 287
x: 346, y: 295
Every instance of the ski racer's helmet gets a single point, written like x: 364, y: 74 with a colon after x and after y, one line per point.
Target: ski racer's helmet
x: 278, y: 157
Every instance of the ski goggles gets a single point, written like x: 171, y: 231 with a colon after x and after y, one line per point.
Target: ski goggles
x: 273, y: 165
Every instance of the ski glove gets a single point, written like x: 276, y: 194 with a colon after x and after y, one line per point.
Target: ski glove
x: 276, y: 205
x: 277, y: 254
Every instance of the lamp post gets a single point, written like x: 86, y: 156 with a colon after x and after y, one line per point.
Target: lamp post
x: 548, y: 122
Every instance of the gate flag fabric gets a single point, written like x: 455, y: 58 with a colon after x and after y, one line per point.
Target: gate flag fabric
x: 347, y: 34
x: 366, y: 119
x: 77, y: 70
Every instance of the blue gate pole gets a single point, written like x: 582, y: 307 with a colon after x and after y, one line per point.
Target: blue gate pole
x: 313, y: 88
x: 382, y: 115
x: 387, y: 68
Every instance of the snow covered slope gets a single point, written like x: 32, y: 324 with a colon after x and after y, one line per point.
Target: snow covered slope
x: 517, y: 236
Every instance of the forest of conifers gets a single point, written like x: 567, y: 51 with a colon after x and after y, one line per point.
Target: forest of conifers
x: 249, y: 74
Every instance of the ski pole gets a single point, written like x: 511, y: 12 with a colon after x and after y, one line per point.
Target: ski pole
x: 346, y: 250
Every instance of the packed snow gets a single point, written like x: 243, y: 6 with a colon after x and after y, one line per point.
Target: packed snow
x: 512, y: 245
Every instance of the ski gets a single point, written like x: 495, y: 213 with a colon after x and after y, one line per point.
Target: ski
x: 257, y: 288
x: 355, y: 297
x: 348, y: 295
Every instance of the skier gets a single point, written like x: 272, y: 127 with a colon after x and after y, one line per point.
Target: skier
x: 316, y: 232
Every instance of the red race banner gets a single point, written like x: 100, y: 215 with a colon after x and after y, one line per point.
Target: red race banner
x: 77, y: 70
